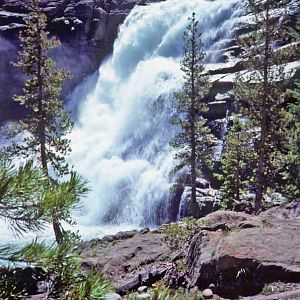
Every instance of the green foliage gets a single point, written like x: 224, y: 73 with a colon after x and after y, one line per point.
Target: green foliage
x: 46, y: 125
x: 291, y: 158
x: 291, y: 173
x: 21, y: 196
x: 268, y: 289
x: 95, y: 286
x: 160, y: 293
x: 29, y: 199
x: 237, y: 172
x: 260, y: 92
x: 194, y: 139
x: 178, y: 233
x: 43, y: 132
x: 62, y: 266
x: 63, y: 197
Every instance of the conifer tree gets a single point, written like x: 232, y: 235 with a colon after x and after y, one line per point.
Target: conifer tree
x: 46, y: 124
x: 192, y: 141
x: 261, y: 90
x: 237, y: 174
x: 29, y: 200
x: 292, y: 158
x: 21, y: 193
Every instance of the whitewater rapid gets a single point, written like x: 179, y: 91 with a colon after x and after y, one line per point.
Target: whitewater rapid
x: 121, y: 139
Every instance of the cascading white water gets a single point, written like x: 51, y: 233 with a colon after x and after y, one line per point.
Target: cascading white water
x: 121, y: 140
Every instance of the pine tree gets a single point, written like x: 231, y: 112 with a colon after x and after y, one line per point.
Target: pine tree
x: 192, y: 141
x: 260, y: 91
x: 46, y: 125
x: 237, y: 174
x: 29, y: 200
x: 292, y: 158
x: 21, y: 192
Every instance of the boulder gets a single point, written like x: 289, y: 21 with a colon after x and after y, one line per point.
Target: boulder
x: 288, y: 211
x: 133, y: 261
x: 208, y: 201
x: 142, y: 289
x: 240, y: 260
x: 207, y: 294
x: 112, y: 296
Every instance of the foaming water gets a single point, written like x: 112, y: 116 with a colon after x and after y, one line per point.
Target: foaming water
x: 121, y: 139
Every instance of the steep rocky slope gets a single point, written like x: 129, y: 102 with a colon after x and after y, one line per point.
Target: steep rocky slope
x: 86, y: 28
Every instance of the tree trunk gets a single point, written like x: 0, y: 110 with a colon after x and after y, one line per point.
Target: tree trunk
x: 41, y: 122
x: 57, y: 231
x: 42, y: 135
x: 193, y: 136
x: 260, y: 187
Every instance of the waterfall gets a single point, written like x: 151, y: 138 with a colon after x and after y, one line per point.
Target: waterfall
x: 121, y: 139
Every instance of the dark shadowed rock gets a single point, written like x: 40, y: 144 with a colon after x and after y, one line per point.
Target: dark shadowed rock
x: 86, y: 28
x: 239, y: 261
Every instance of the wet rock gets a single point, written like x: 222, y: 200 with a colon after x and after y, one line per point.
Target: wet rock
x: 142, y: 289
x: 144, y: 230
x: 86, y: 28
x: 123, y: 235
x: 112, y: 296
x: 208, y: 201
x: 202, y: 183
x: 108, y: 238
x: 207, y: 294
x: 144, y: 296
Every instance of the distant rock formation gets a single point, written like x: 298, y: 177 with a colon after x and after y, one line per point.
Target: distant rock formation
x: 86, y: 28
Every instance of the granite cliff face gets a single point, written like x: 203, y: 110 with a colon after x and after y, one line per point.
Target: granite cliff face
x: 86, y: 28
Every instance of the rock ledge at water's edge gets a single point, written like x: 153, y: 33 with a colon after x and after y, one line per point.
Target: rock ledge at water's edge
x: 238, y: 253
x: 232, y: 253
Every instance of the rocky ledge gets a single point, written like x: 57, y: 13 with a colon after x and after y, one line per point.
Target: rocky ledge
x: 232, y: 253
x: 226, y: 254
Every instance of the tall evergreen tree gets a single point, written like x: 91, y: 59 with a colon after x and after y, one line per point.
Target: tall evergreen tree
x: 192, y: 141
x: 261, y: 90
x: 46, y: 125
x: 237, y: 174
x: 292, y: 158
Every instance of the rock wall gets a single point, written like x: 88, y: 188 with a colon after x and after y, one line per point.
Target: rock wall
x: 86, y: 28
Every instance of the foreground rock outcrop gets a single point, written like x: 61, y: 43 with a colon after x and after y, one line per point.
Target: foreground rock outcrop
x: 228, y: 253
x: 235, y: 253
x: 242, y: 258
x: 129, y: 259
